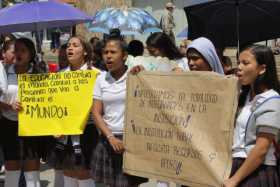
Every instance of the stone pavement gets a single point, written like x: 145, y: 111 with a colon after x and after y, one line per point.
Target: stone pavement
x: 47, y: 179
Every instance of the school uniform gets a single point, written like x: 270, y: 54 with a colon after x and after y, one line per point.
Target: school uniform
x: 261, y: 115
x: 151, y: 63
x: 11, y: 142
x: 3, y: 86
x: 106, y: 164
x: 3, y: 79
x: 75, y: 151
x: 183, y: 64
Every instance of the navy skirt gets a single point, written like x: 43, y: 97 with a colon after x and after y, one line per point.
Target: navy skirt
x: 106, y: 167
x: 20, y: 148
x: 264, y: 176
x: 63, y: 156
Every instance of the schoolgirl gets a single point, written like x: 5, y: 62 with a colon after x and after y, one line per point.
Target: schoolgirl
x: 257, y: 124
x: 8, y: 59
x: 15, y: 148
x: 202, y: 56
x: 108, y: 112
x: 72, y: 154
x: 160, y: 44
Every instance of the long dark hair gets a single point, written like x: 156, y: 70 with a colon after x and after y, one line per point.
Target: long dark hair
x: 115, y: 35
x: 269, y: 79
x: 87, y: 48
x: 163, y: 42
x: 33, y: 55
x: 7, y: 45
x: 135, y: 48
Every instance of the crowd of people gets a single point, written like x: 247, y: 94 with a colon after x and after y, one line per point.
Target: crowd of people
x: 96, y: 155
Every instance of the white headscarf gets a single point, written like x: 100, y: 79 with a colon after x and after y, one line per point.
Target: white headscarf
x: 206, y: 48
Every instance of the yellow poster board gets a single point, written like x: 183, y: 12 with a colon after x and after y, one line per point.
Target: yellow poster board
x: 55, y: 103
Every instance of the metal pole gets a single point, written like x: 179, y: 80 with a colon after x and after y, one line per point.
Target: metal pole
x: 237, y: 24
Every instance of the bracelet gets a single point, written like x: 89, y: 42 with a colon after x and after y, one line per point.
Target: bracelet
x: 109, y: 136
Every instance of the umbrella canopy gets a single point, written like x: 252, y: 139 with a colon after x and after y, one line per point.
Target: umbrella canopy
x: 35, y: 16
x: 194, y: 2
x: 183, y: 33
x: 130, y: 21
x: 228, y: 22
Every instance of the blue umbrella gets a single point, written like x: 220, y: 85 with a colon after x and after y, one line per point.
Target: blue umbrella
x: 183, y: 33
x: 35, y: 16
x: 130, y: 21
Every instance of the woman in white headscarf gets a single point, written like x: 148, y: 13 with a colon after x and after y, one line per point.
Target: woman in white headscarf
x: 202, y: 56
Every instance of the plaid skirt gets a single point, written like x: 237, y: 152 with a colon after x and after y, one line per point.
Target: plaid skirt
x: 63, y: 156
x: 106, y: 167
x: 264, y: 176
x: 20, y: 148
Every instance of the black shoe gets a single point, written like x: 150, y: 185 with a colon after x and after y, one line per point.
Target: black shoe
x: 60, y: 146
x: 60, y: 152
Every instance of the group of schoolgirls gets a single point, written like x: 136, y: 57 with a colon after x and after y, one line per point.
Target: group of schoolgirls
x: 96, y: 155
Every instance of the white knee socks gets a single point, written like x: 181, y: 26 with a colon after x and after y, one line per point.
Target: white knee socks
x: 58, y: 178
x: 75, y: 140
x: 70, y: 182
x: 73, y: 182
x: 32, y: 178
x: 86, y: 183
x: 12, y: 178
x: 162, y: 184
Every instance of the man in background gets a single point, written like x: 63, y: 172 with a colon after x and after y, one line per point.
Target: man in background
x: 167, y: 23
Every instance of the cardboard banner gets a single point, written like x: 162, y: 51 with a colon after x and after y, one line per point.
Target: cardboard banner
x: 55, y: 103
x: 179, y: 127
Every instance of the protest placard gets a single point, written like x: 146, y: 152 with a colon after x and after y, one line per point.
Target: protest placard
x: 55, y: 103
x: 179, y: 127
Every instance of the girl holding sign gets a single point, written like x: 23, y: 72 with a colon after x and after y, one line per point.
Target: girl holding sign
x: 202, y: 56
x: 257, y: 125
x: 160, y: 45
x: 25, y: 55
x: 108, y: 112
x: 73, y: 153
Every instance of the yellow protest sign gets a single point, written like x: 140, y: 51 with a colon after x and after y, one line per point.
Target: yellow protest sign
x: 55, y: 103
x: 179, y: 127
